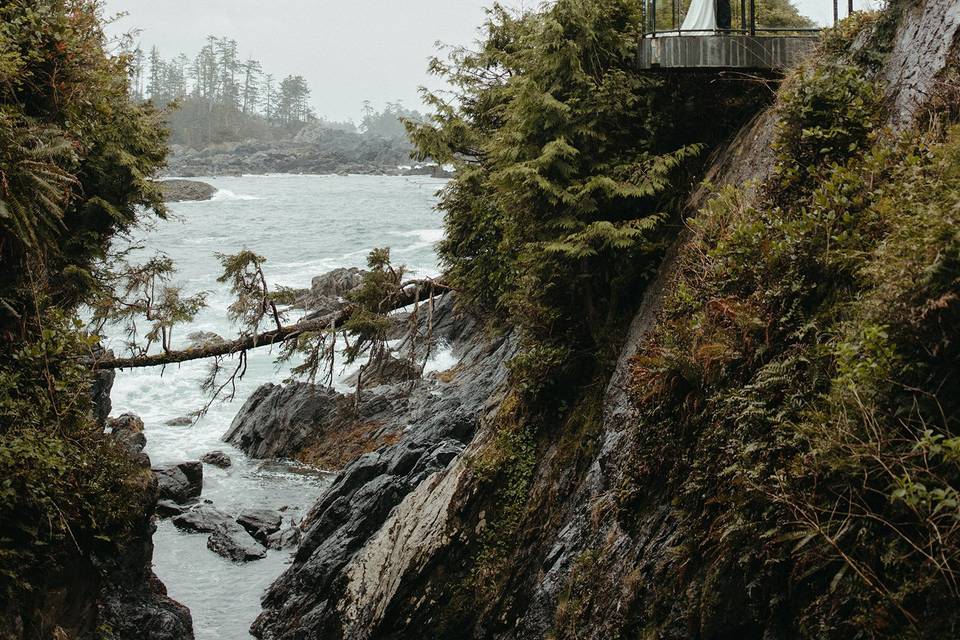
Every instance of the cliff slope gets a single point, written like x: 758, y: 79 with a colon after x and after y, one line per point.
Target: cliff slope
x: 695, y: 491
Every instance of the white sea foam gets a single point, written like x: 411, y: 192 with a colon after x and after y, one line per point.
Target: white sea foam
x: 225, y: 194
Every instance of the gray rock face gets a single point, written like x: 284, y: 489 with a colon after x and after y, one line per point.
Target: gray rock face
x: 203, y: 518
x: 182, y: 421
x: 217, y: 459
x: 235, y: 545
x: 276, y: 421
x: 260, y: 523
x: 349, y: 527
x: 921, y: 48
x: 181, y: 482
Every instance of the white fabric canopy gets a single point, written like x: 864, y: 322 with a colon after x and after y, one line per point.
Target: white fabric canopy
x: 701, y: 16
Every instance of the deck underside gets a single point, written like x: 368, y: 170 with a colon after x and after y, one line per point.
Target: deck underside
x: 723, y: 51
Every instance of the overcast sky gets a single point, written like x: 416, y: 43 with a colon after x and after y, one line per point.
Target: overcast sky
x: 348, y: 50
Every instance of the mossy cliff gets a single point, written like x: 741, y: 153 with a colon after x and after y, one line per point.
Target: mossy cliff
x: 750, y: 427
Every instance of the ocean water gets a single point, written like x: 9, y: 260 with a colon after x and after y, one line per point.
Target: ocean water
x: 304, y: 226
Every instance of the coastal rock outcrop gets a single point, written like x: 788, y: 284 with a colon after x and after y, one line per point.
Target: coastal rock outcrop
x: 327, y: 290
x: 175, y: 190
x: 278, y: 420
x: 203, y: 518
x: 235, y: 544
x: 352, y: 525
x: 260, y: 523
x: 181, y: 482
x: 314, y: 150
x: 127, y: 431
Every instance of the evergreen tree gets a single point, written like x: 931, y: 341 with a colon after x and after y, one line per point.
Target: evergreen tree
x: 158, y: 70
x: 251, y: 86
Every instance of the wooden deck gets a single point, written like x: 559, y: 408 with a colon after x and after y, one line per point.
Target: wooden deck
x: 723, y: 51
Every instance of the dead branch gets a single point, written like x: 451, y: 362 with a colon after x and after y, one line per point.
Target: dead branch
x: 411, y: 292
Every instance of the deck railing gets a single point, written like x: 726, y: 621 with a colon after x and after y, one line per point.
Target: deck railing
x: 747, y: 20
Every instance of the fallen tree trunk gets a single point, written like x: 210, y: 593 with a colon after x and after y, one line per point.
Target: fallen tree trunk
x: 419, y: 290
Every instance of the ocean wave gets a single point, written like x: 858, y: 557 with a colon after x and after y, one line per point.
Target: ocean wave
x: 226, y: 194
x: 423, y: 235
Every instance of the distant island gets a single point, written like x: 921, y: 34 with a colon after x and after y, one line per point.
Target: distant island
x: 227, y: 117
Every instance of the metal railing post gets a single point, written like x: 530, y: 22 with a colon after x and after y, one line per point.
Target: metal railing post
x: 836, y: 13
x: 654, y: 18
x: 753, y: 17
x: 849, y: 8
x: 673, y: 21
x: 743, y: 16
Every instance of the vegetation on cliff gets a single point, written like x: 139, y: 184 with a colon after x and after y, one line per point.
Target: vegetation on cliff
x: 75, y: 157
x: 795, y: 404
x: 798, y: 398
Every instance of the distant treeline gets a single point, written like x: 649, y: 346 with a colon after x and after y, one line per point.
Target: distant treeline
x: 219, y: 97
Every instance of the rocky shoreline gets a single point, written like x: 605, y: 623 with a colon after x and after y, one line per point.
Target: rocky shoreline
x: 314, y: 150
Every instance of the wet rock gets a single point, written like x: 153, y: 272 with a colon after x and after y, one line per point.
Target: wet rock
x: 284, y: 539
x: 186, y: 190
x: 235, y: 545
x: 217, y: 459
x: 203, y: 519
x: 387, y: 369
x: 182, y: 421
x: 168, y: 509
x: 260, y: 523
x: 387, y: 509
x: 277, y: 421
x: 181, y: 482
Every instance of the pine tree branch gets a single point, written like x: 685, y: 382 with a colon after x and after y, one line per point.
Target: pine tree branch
x: 268, y: 338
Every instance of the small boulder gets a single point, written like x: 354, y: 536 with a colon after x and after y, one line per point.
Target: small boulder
x: 235, y: 545
x: 168, y: 509
x: 203, y: 519
x: 181, y: 482
x: 260, y: 523
x: 182, y: 421
x: 217, y: 459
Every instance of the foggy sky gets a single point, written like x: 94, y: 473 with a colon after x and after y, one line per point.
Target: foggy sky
x: 348, y: 50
